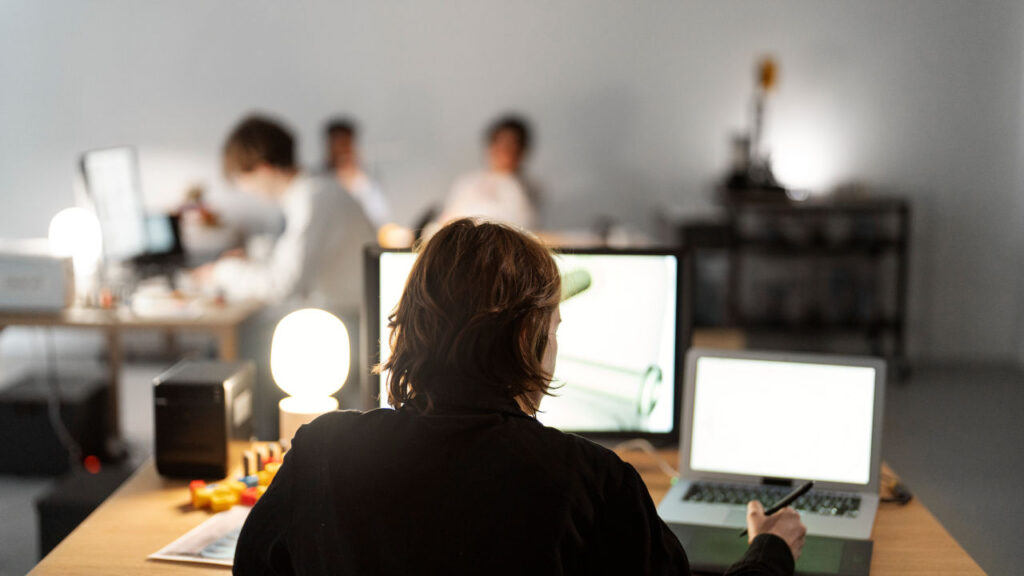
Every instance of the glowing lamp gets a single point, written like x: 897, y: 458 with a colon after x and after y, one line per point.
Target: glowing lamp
x: 309, y: 359
x: 75, y: 233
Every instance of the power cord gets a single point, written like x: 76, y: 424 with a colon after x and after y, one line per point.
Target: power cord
x: 53, y: 403
x: 900, y: 493
x: 646, y: 446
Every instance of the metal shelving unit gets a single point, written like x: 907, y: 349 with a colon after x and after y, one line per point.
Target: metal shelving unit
x: 816, y: 269
x: 859, y: 247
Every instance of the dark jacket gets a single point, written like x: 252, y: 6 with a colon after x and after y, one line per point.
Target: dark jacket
x: 462, y: 490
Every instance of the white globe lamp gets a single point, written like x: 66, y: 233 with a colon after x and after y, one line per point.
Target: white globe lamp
x: 309, y: 360
x: 75, y: 233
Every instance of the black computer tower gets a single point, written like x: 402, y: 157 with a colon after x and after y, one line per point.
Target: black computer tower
x: 28, y: 442
x: 200, y: 407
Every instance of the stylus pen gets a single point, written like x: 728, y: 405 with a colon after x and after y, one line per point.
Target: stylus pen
x: 786, y: 500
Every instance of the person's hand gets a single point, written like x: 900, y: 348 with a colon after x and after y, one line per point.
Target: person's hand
x: 785, y: 524
x: 202, y: 275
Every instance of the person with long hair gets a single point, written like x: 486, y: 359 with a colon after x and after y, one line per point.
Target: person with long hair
x: 460, y: 477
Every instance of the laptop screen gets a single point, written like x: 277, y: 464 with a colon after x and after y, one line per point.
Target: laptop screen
x: 783, y: 419
x: 616, y: 368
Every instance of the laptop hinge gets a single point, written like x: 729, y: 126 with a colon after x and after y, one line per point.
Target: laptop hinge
x: 776, y: 481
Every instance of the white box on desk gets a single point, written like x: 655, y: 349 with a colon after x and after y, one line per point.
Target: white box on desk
x: 34, y: 281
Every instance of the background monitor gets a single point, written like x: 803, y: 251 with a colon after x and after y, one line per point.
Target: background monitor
x: 112, y: 180
x: 624, y: 331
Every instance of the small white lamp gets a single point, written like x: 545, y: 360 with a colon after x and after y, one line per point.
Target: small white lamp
x: 75, y: 233
x: 309, y: 359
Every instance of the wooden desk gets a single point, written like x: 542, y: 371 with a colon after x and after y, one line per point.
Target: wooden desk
x: 222, y: 321
x: 149, y: 512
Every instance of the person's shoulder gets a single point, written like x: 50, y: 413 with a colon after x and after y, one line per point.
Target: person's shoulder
x: 326, y: 195
x: 596, y: 459
x: 331, y: 426
x: 320, y: 185
x: 469, y: 181
x: 340, y: 419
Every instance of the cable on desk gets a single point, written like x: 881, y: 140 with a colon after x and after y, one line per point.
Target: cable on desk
x: 646, y: 446
x: 53, y: 403
x: 900, y: 493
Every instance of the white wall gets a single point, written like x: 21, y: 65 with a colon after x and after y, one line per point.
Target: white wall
x: 1018, y: 223
x: 634, y: 103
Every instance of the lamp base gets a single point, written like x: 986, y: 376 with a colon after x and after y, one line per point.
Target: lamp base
x: 294, y: 412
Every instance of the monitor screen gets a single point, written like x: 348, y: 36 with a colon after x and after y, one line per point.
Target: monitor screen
x: 160, y: 235
x: 617, y: 370
x: 782, y: 419
x: 112, y: 179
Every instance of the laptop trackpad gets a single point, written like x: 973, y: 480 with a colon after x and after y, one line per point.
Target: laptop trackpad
x: 736, y: 518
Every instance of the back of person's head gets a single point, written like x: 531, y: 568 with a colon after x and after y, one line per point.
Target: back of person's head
x: 473, y: 320
x: 339, y: 138
x: 515, y: 124
x: 256, y: 141
x: 341, y: 126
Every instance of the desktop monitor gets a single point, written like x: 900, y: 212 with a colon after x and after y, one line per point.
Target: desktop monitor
x: 112, y: 180
x: 625, y: 327
x: 152, y: 243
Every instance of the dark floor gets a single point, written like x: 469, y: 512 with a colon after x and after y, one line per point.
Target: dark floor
x: 953, y: 433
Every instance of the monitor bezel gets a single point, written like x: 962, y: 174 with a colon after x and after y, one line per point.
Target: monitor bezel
x: 684, y: 332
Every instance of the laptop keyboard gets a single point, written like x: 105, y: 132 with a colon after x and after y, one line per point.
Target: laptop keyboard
x: 814, y: 502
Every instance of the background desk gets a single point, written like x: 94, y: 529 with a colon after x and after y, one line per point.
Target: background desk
x: 220, y: 321
x: 149, y: 512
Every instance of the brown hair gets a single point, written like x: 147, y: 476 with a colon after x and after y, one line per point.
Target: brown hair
x: 515, y: 124
x: 258, y: 140
x: 473, y: 320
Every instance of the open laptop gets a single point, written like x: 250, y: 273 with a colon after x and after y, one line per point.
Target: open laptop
x: 755, y: 424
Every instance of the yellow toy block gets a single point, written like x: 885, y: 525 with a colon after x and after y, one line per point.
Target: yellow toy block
x: 222, y: 502
x: 237, y: 487
x: 201, y: 497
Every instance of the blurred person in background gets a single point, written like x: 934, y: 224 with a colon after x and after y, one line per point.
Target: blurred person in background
x: 500, y: 192
x: 344, y: 162
x: 315, y: 262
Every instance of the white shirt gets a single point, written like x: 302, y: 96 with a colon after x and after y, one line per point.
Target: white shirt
x: 491, y: 196
x: 317, y: 260
x: 368, y: 194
